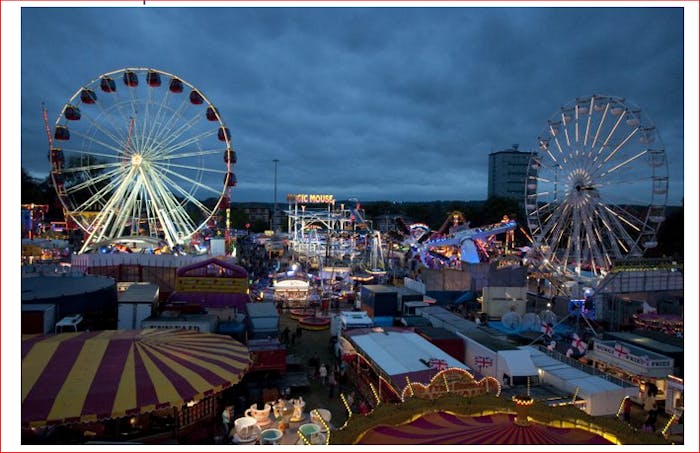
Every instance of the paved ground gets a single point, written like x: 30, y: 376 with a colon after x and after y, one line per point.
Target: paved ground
x: 304, y: 348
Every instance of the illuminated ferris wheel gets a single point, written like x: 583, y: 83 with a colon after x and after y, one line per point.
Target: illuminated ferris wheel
x: 141, y: 152
x: 597, y: 188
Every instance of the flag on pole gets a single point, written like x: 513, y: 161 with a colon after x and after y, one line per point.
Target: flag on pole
x: 578, y: 344
x: 621, y: 351
x: 547, y: 329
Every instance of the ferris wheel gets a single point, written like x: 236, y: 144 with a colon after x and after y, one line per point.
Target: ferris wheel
x: 597, y: 188
x: 141, y: 152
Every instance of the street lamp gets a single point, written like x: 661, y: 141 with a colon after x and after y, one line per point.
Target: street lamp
x: 274, y: 209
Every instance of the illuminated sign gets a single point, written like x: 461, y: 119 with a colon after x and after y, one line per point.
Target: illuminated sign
x: 310, y: 198
x: 212, y: 285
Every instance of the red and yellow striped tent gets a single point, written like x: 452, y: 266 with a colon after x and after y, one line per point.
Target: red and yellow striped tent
x: 88, y: 376
x: 498, y: 429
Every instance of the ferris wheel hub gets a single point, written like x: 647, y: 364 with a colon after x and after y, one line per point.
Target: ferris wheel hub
x: 136, y: 160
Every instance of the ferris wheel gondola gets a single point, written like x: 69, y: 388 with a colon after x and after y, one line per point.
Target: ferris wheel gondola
x: 138, y: 152
x: 597, y: 188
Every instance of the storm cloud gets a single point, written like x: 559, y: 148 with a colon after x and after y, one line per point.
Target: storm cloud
x: 374, y: 103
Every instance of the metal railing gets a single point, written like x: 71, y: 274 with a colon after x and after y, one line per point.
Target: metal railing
x: 585, y: 368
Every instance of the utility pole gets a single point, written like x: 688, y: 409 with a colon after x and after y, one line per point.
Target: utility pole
x: 274, y: 209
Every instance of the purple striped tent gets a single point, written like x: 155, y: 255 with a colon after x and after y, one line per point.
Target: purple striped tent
x: 88, y: 376
x: 498, y: 429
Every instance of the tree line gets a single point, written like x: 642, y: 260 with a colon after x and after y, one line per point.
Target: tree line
x: 432, y: 213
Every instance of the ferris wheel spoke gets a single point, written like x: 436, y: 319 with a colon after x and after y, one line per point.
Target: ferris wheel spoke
x: 554, y: 222
x: 540, y: 209
x: 141, y: 133
x: 610, y: 134
x: 102, y: 220
x: 609, y: 182
x: 588, y: 121
x: 627, y: 217
x: 591, y: 242
x: 176, y: 213
x: 158, y: 135
x: 93, y: 200
x: 576, y: 235
x: 623, y: 143
x: 119, y: 151
x: 621, y: 164
x: 92, y: 181
x: 158, y: 207
x: 108, y: 112
x: 194, y: 167
x: 114, y: 135
x: 167, y: 149
x: 600, y: 123
x: 191, y: 181
x: 554, y: 241
x: 124, y: 209
x: 565, y: 126
x: 166, y: 142
x: 122, y: 127
x: 88, y: 168
x: 556, y: 141
x: 160, y: 123
x: 179, y: 220
x: 609, y: 231
x: 204, y: 152
x: 186, y: 194
x: 626, y: 241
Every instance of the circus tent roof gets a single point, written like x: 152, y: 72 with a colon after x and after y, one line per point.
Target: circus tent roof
x: 86, y: 376
x: 200, y: 268
x: 499, y: 429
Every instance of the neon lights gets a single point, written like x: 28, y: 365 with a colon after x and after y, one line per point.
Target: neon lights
x: 310, y: 198
x: 523, y: 400
x: 374, y: 392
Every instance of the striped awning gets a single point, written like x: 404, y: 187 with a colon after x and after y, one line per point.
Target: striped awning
x: 499, y: 429
x: 86, y: 376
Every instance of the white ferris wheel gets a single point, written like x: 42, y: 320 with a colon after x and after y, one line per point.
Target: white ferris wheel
x: 141, y: 152
x: 597, y: 187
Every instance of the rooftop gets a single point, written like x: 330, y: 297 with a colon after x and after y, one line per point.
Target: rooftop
x: 36, y: 288
x: 645, y: 342
x: 398, y: 351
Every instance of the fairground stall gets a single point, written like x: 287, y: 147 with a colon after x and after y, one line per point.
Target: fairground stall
x: 391, y: 364
x: 218, y: 286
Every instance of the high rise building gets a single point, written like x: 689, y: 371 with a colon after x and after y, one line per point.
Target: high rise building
x: 508, y: 172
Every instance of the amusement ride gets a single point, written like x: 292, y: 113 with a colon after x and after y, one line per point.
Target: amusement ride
x: 596, y: 190
x: 134, y: 152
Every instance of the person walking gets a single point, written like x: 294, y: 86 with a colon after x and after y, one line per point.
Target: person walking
x: 331, y: 385
x: 322, y: 373
x: 650, y: 421
x: 350, y: 399
x: 226, y: 417
x: 627, y: 410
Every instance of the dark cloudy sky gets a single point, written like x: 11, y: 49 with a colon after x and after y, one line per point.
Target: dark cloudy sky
x: 374, y: 103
